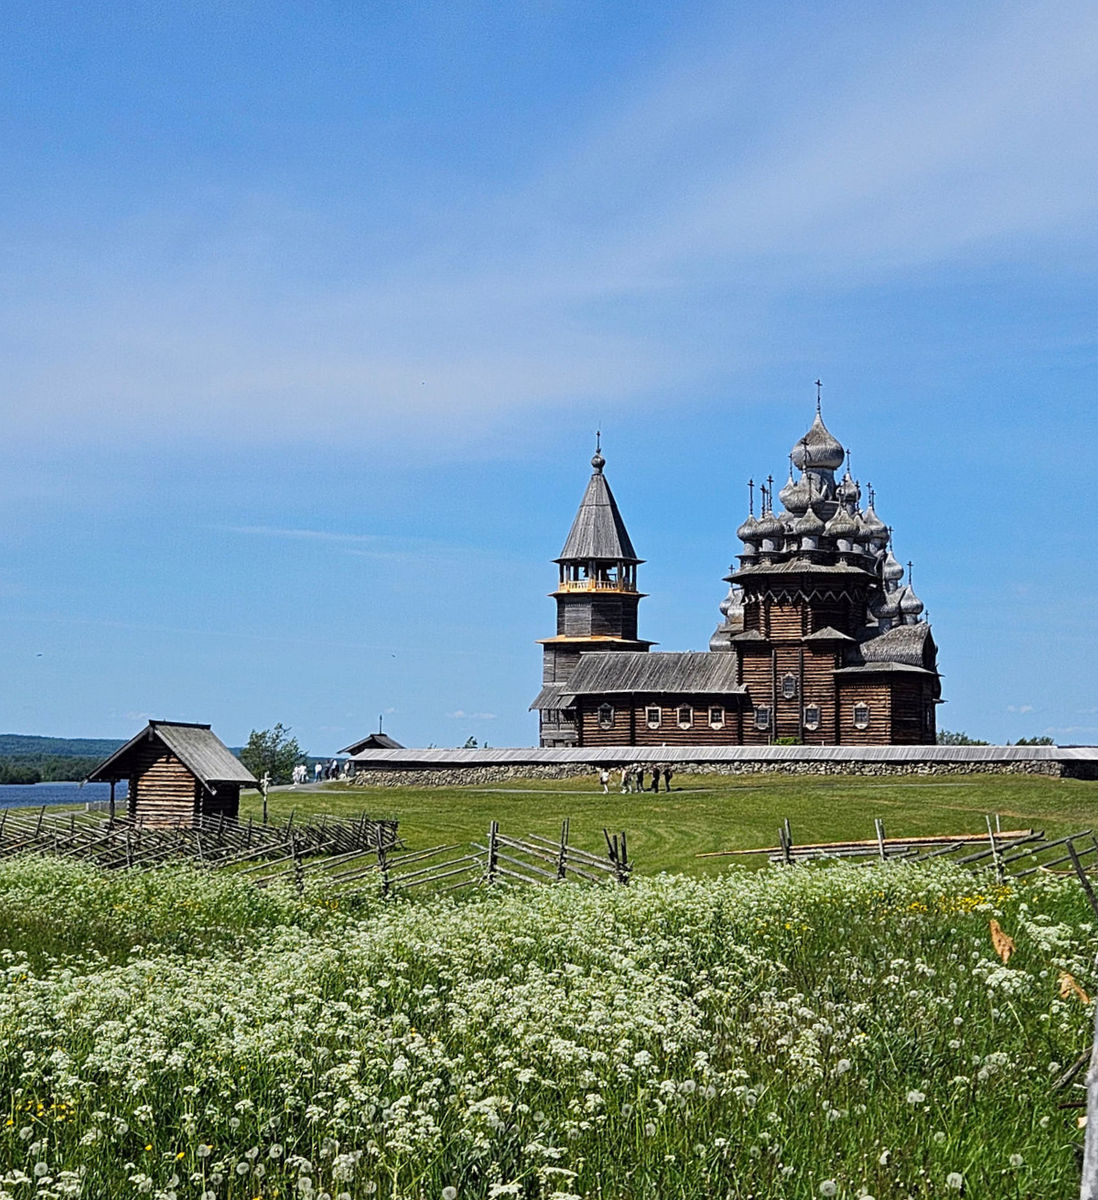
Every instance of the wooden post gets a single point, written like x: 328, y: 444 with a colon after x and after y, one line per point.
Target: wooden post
x: 493, y: 851
x: 111, y: 806
x: 382, y: 862
x: 1084, y: 882
x: 562, y: 858
x: 623, y: 863
x: 1089, y: 1187
x: 299, y: 874
x: 995, y: 850
x: 879, y: 826
x: 38, y: 827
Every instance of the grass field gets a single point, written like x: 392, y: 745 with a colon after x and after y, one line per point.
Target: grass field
x: 703, y: 813
x: 787, y: 1035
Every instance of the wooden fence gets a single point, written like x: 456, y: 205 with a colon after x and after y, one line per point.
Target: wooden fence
x: 501, y: 858
x: 212, y: 842
x: 348, y: 855
x: 1013, y: 853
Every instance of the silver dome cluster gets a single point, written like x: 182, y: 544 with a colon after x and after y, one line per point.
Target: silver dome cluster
x: 821, y: 522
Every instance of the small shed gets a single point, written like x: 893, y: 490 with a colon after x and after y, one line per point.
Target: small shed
x: 177, y: 773
x: 375, y: 741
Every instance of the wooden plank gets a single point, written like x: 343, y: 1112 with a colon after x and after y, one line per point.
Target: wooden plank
x: 873, y: 843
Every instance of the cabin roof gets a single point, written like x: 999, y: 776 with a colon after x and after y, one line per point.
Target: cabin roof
x: 666, y: 672
x: 197, y: 747
x: 374, y: 741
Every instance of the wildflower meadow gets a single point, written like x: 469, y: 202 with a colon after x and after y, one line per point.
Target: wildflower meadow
x: 834, y: 1031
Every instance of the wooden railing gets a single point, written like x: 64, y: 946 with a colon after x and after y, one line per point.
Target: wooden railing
x: 596, y: 585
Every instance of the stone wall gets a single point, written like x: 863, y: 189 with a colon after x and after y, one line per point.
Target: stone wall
x: 468, y: 776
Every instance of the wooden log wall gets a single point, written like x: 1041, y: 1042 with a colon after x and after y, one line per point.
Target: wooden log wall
x: 911, y: 701
x: 878, y: 696
x: 597, y: 614
x: 224, y: 802
x: 162, y: 790
x: 630, y: 724
x: 819, y: 690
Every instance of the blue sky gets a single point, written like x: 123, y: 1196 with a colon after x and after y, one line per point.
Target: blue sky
x: 309, y: 314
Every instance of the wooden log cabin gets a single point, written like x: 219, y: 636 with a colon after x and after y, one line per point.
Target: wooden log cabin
x: 178, y: 774
x: 821, y: 642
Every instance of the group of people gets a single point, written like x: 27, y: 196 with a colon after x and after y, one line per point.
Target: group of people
x: 321, y: 771
x: 632, y: 777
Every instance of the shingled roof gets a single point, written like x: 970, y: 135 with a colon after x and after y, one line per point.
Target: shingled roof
x: 690, y: 672
x: 374, y: 741
x: 598, y: 530
x: 197, y: 747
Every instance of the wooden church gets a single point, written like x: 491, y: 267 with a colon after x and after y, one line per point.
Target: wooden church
x: 821, y: 642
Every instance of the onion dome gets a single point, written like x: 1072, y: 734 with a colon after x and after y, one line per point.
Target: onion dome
x: 809, y: 525
x: 818, y: 449
x: 848, y: 492
x: 891, y: 571
x: 875, y: 528
x: 910, y: 604
x: 749, y: 530
x: 887, y: 607
x: 795, y: 495
x: 732, y: 604
x: 842, y: 525
x: 769, y: 527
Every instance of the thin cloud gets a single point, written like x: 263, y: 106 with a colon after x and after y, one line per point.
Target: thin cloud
x: 316, y: 535
x: 1020, y: 708
x: 926, y: 147
x: 461, y: 715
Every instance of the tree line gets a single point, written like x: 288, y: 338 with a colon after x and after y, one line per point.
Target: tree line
x: 45, y: 768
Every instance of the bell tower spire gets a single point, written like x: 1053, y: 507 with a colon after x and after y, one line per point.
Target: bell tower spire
x: 596, y: 597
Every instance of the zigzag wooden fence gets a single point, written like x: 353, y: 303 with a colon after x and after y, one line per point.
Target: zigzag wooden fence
x: 213, y: 842
x: 500, y: 859
x: 1013, y: 853
x: 348, y: 856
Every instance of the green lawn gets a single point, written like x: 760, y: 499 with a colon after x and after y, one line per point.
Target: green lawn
x: 703, y: 813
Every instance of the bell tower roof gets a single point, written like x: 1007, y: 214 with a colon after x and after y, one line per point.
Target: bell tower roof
x: 598, y: 532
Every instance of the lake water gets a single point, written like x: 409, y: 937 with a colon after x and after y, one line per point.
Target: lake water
x: 34, y: 795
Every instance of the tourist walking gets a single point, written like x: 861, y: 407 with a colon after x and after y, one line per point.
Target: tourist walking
x: 604, y: 779
x: 625, y: 780
x: 667, y: 773
x: 655, y: 779
x: 638, y: 775
x: 318, y: 772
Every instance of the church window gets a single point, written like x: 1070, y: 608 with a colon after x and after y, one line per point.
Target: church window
x: 762, y: 717
x: 811, y: 716
x: 652, y: 717
x: 789, y: 687
x: 861, y: 716
x: 606, y: 716
x: 686, y: 716
x: 716, y: 716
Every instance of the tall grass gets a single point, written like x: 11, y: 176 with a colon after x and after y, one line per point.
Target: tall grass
x: 814, y: 1032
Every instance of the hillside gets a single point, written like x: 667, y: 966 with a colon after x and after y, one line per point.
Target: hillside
x: 30, y: 746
